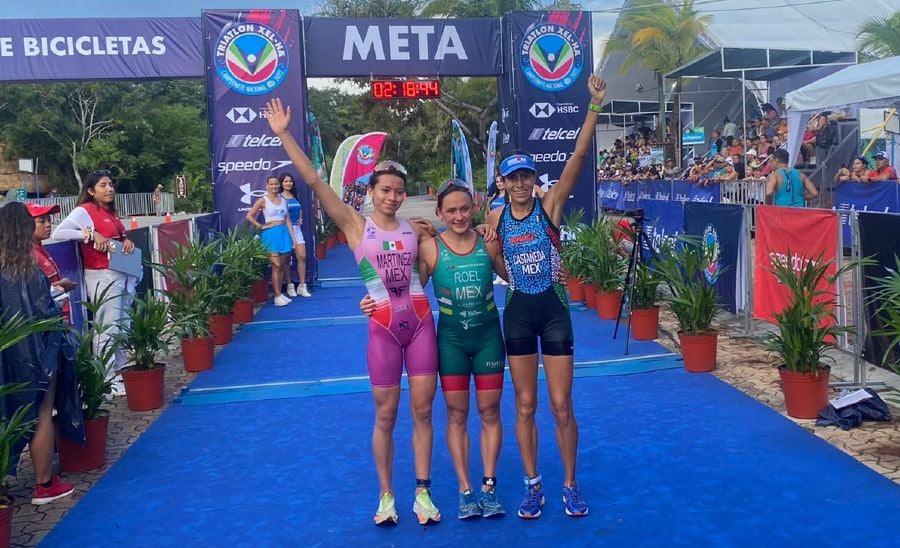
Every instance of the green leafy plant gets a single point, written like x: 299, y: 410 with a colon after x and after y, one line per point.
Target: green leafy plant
x: 192, y: 288
x: 807, y: 326
x: 604, y: 266
x: 887, y: 292
x: 93, y: 366
x: 646, y: 287
x: 149, y: 334
x: 241, y: 259
x: 692, y: 299
x: 573, y: 254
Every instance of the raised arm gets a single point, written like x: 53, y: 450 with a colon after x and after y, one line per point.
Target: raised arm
x: 555, y: 199
x: 346, y: 218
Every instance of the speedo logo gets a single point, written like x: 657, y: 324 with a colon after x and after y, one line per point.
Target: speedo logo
x: 251, y: 165
x: 241, y: 140
x: 547, y: 134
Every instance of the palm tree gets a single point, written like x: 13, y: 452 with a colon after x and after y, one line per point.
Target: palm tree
x: 661, y: 37
x: 880, y: 37
x: 493, y: 8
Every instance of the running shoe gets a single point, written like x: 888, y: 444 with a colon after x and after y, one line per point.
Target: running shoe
x: 575, y: 505
x: 303, y: 291
x: 291, y: 291
x: 387, y: 513
x: 490, y: 504
x: 424, y: 509
x: 281, y: 300
x: 468, y: 505
x: 534, y: 499
x: 56, y: 490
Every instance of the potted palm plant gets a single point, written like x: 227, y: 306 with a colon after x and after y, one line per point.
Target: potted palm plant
x: 644, y: 307
x: 607, y: 269
x: 242, y: 259
x: 806, y: 329
x: 146, y: 338
x: 693, y: 301
x: 887, y: 294
x: 93, y: 368
x: 573, y: 255
x: 321, y: 236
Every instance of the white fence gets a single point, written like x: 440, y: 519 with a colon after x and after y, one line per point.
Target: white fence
x: 127, y: 205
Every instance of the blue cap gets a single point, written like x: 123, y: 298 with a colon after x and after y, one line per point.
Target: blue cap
x: 516, y: 161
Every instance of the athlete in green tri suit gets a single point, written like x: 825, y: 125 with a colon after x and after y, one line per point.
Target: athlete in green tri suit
x: 470, y: 342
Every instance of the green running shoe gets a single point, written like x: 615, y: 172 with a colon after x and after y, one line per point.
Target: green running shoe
x: 424, y: 509
x: 468, y: 506
x: 387, y: 513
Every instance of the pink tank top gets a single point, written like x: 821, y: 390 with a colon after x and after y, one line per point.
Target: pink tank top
x: 388, y: 265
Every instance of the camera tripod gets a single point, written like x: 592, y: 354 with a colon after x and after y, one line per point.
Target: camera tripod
x: 634, y: 257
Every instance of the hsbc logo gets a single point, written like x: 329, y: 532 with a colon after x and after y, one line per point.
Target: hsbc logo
x: 547, y: 134
x: 242, y: 140
x: 251, y: 165
x: 245, y: 115
x: 248, y: 194
x: 542, y: 110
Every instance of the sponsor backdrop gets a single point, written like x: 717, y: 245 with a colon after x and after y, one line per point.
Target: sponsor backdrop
x: 168, y: 237
x: 627, y: 197
x: 402, y: 47
x: 99, y: 49
x: 69, y: 262
x: 878, y: 237
x: 544, y: 94
x: 805, y: 233
x: 141, y: 239
x: 854, y: 196
x: 207, y: 227
x: 720, y: 228
x: 664, y: 221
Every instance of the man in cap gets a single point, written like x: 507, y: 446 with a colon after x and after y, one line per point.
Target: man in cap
x: 883, y: 170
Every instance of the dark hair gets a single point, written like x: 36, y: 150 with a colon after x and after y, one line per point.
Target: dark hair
x: 16, y: 232
x: 387, y: 167
x: 781, y: 155
x: 89, y: 183
x: 863, y: 159
x: 284, y: 176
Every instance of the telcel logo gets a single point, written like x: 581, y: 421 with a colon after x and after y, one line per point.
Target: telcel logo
x: 251, y: 165
x: 241, y: 140
x: 547, y: 134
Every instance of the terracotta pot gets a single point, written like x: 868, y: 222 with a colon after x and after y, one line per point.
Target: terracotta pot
x: 699, y: 351
x: 260, y: 291
x: 330, y: 241
x: 341, y: 238
x: 220, y: 327
x: 242, y: 311
x: 321, y: 251
x: 144, y: 388
x: 590, y: 295
x: 608, y: 304
x: 197, y: 353
x: 6, y: 514
x: 645, y: 324
x: 576, y: 290
x: 805, y: 394
x: 73, y: 457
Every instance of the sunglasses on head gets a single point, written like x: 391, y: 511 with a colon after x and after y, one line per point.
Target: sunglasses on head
x: 452, y: 183
x: 102, y: 172
x: 390, y: 166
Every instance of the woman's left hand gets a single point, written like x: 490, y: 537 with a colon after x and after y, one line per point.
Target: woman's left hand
x: 127, y: 246
x: 425, y: 225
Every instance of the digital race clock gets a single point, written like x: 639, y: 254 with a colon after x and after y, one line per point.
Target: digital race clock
x: 405, y: 89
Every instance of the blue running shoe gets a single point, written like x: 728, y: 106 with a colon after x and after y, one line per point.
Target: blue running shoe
x: 534, y: 499
x: 575, y: 505
x: 490, y: 504
x: 468, y: 506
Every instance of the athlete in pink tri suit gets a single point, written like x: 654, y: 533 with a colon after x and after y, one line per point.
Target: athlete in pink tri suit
x: 386, y: 248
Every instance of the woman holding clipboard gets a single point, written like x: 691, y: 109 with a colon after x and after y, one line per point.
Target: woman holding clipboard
x: 94, y: 223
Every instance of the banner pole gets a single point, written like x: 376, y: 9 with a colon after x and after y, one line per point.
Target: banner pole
x: 859, y: 370
x: 748, y: 273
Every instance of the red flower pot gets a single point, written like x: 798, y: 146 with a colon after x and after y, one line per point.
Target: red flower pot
x: 74, y: 457
x: 144, y: 388
x: 699, y: 351
x: 260, y: 291
x: 590, y: 295
x: 608, y: 304
x: 197, y: 353
x: 576, y: 290
x: 321, y: 251
x: 805, y: 394
x: 341, y: 238
x: 330, y: 241
x: 242, y: 311
x: 6, y: 514
x: 220, y: 328
x: 645, y: 324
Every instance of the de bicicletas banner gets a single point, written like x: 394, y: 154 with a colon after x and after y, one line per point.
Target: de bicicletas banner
x: 719, y: 228
x: 879, y: 234
x: 544, y: 94
x: 252, y: 56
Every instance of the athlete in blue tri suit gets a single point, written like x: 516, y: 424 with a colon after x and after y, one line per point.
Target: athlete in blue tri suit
x: 537, y: 307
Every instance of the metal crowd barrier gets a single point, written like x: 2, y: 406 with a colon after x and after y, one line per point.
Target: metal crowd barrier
x: 127, y: 205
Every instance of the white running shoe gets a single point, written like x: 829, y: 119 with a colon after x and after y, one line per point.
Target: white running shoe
x: 281, y: 300
x: 291, y: 291
x: 302, y: 291
x: 118, y: 387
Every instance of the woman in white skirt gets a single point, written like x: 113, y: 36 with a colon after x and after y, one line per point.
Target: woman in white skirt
x: 275, y: 233
x: 295, y: 214
x: 95, y: 224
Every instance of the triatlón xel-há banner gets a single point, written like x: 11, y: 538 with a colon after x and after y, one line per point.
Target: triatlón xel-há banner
x: 361, y: 162
x: 460, y: 162
x: 719, y: 227
x: 549, y: 61
x: 879, y: 240
x: 491, y: 155
x: 804, y: 235
x: 252, y: 57
x: 100, y: 49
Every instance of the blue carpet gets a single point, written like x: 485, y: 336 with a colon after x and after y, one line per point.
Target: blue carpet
x: 667, y: 458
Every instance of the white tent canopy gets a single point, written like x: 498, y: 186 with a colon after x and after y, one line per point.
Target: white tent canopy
x: 870, y: 85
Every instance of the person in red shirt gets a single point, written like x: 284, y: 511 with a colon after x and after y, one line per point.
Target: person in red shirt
x: 883, y: 170
x: 41, y: 215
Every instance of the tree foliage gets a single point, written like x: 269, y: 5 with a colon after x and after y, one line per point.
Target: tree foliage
x: 880, y: 37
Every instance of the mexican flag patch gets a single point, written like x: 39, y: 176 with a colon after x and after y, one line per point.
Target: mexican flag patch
x: 396, y: 245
